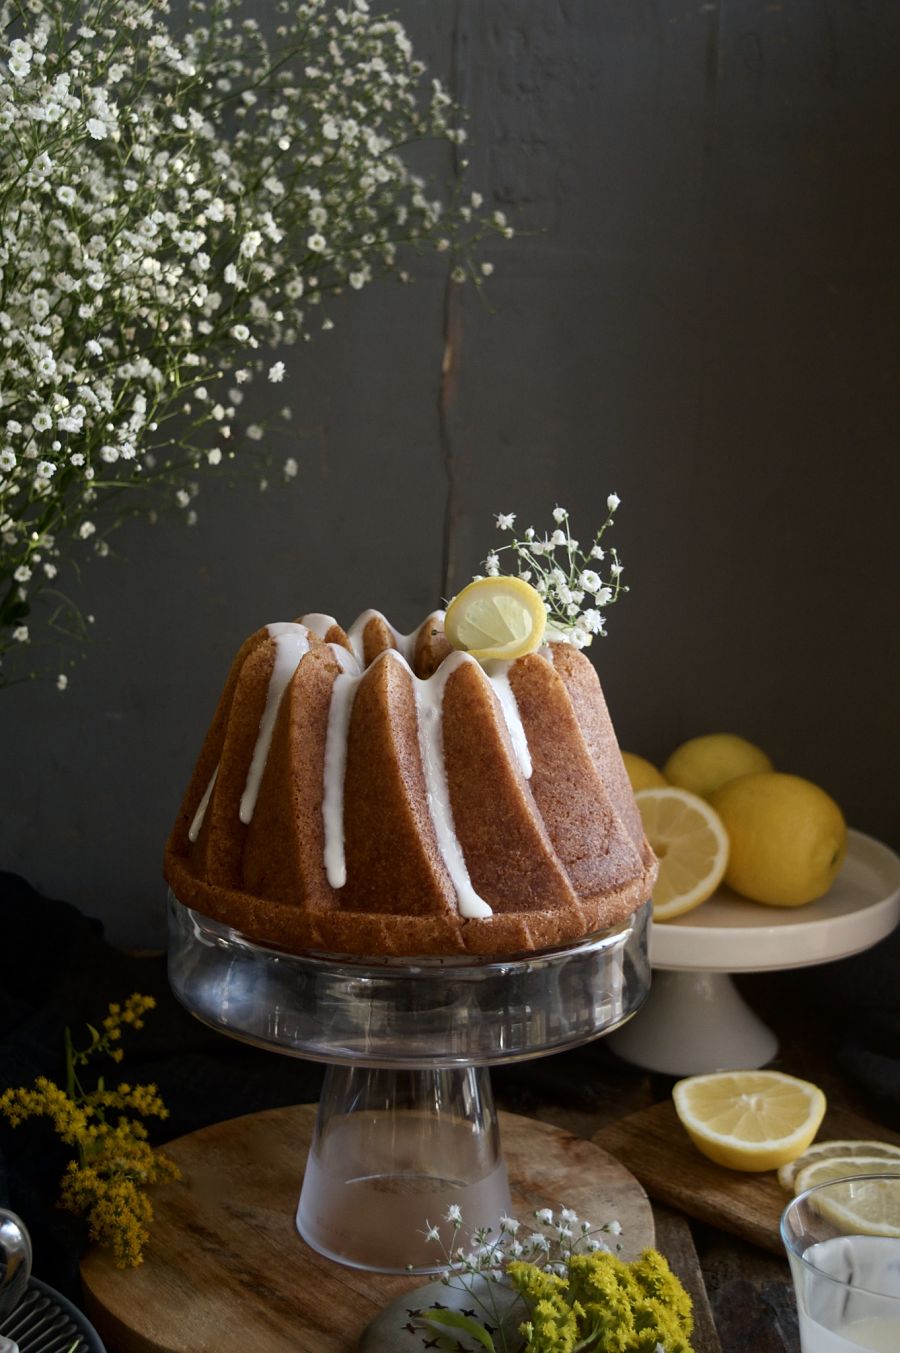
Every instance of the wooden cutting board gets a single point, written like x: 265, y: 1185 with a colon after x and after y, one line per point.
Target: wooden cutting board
x: 226, y: 1272
x: 658, y: 1152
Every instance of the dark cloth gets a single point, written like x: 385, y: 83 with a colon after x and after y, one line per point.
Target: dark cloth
x: 57, y: 970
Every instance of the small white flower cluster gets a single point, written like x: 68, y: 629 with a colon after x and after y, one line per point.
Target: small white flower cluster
x: 549, y: 1243
x: 178, y: 201
x: 568, y: 579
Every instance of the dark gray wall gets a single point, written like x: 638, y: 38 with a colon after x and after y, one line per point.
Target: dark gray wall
x: 699, y: 312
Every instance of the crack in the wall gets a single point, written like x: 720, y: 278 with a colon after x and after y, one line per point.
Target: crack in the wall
x: 452, y: 335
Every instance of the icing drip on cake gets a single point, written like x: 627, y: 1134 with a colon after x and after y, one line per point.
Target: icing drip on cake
x: 194, y: 830
x: 343, y: 693
x: 291, y: 645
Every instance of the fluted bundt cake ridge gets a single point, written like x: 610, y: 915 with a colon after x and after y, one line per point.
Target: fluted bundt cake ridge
x: 368, y: 792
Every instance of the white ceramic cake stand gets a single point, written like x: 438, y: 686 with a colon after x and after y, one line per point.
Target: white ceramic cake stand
x: 695, y: 1020
x: 406, y: 1124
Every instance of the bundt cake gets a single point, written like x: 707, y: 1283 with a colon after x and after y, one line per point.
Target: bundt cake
x: 371, y: 793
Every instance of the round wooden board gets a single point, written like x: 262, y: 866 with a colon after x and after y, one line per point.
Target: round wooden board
x: 226, y: 1271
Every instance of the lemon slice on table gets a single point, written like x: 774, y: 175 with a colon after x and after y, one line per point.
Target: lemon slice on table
x: 844, y: 1150
x: 496, y: 618
x: 749, y: 1120
x: 691, y: 844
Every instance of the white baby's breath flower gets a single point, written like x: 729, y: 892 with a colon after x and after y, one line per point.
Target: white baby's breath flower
x: 505, y: 520
x: 22, y: 573
x: 453, y: 1214
x: 62, y: 681
x: 20, y: 634
x: 613, y: 501
x: 148, y: 244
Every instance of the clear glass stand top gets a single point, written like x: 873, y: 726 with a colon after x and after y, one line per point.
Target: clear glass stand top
x: 406, y: 1125
x: 414, y: 1012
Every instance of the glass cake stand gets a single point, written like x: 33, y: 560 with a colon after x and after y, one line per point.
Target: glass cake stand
x: 406, y: 1123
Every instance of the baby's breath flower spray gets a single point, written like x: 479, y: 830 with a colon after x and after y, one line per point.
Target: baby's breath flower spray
x: 106, y: 1181
x: 568, y: 577
x: 180, y: 195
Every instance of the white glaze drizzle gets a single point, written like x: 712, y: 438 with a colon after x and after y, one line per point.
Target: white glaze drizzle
x: 343, y: 694
x: 291, y: 643
x: 317, y: 622
x: 346, y: 659
x: 406, y: 643
x: 498, y: 672
x: 194, y: 829
x: 429, y: 696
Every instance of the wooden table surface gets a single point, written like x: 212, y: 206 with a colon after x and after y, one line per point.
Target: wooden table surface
x: 742, y: 1291
x: 590, y: 1089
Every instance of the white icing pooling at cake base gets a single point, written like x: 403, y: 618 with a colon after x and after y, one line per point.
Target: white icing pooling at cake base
x: 291, y: 644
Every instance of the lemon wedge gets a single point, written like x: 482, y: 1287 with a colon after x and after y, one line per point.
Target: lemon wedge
x: 496, y: 618
x: 691, y: 844
x: 844, y: 1150
x: 749, y: 1120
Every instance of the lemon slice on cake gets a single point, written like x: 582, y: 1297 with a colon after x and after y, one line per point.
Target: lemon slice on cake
x: 749, y: 1120
x: 496, y: 618
x: 691, y: 844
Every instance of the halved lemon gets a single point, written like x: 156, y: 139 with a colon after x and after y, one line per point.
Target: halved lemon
x: 691, y: 844
x: 749, y: 1120
x: 496, y: 618
x: 839, y: 1149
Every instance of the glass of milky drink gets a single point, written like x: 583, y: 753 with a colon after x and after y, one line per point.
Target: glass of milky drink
x: 843, y: 1242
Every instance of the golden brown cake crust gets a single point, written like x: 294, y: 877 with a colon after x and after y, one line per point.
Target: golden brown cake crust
x: 557, y: 856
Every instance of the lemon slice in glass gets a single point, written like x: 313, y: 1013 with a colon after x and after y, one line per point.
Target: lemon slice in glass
x: 749, y: 1120
x: 691, y: 844
x: 496, y: 618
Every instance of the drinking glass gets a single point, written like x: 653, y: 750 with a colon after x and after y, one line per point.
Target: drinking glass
x: 843, y: 1242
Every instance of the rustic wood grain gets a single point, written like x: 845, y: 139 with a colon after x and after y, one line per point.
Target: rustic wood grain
x: 674, y: 1239
x: 226, y: 1272
x: 655, y: 1147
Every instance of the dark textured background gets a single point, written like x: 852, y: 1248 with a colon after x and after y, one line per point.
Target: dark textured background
x: 699, y: 312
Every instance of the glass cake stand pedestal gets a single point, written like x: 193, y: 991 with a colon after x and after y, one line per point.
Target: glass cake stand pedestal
x: 695, y: 1019
x: 406, y: 1125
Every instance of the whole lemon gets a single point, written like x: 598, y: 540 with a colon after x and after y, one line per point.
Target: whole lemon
x: 642, y: 773
x: 703, y: 764
x: 788, y: 838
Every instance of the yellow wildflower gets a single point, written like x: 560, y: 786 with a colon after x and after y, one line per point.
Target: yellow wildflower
x: 115, y: 1160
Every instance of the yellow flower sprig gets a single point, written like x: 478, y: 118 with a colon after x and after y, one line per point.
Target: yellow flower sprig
x: 115, y: 1162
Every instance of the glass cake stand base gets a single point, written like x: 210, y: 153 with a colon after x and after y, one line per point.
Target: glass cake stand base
x: 406, y: 1126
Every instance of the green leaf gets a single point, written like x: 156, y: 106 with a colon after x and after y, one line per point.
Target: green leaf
x: 457, y: 1320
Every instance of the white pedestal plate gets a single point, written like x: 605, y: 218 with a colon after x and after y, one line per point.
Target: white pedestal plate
x: 695, y: 1019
